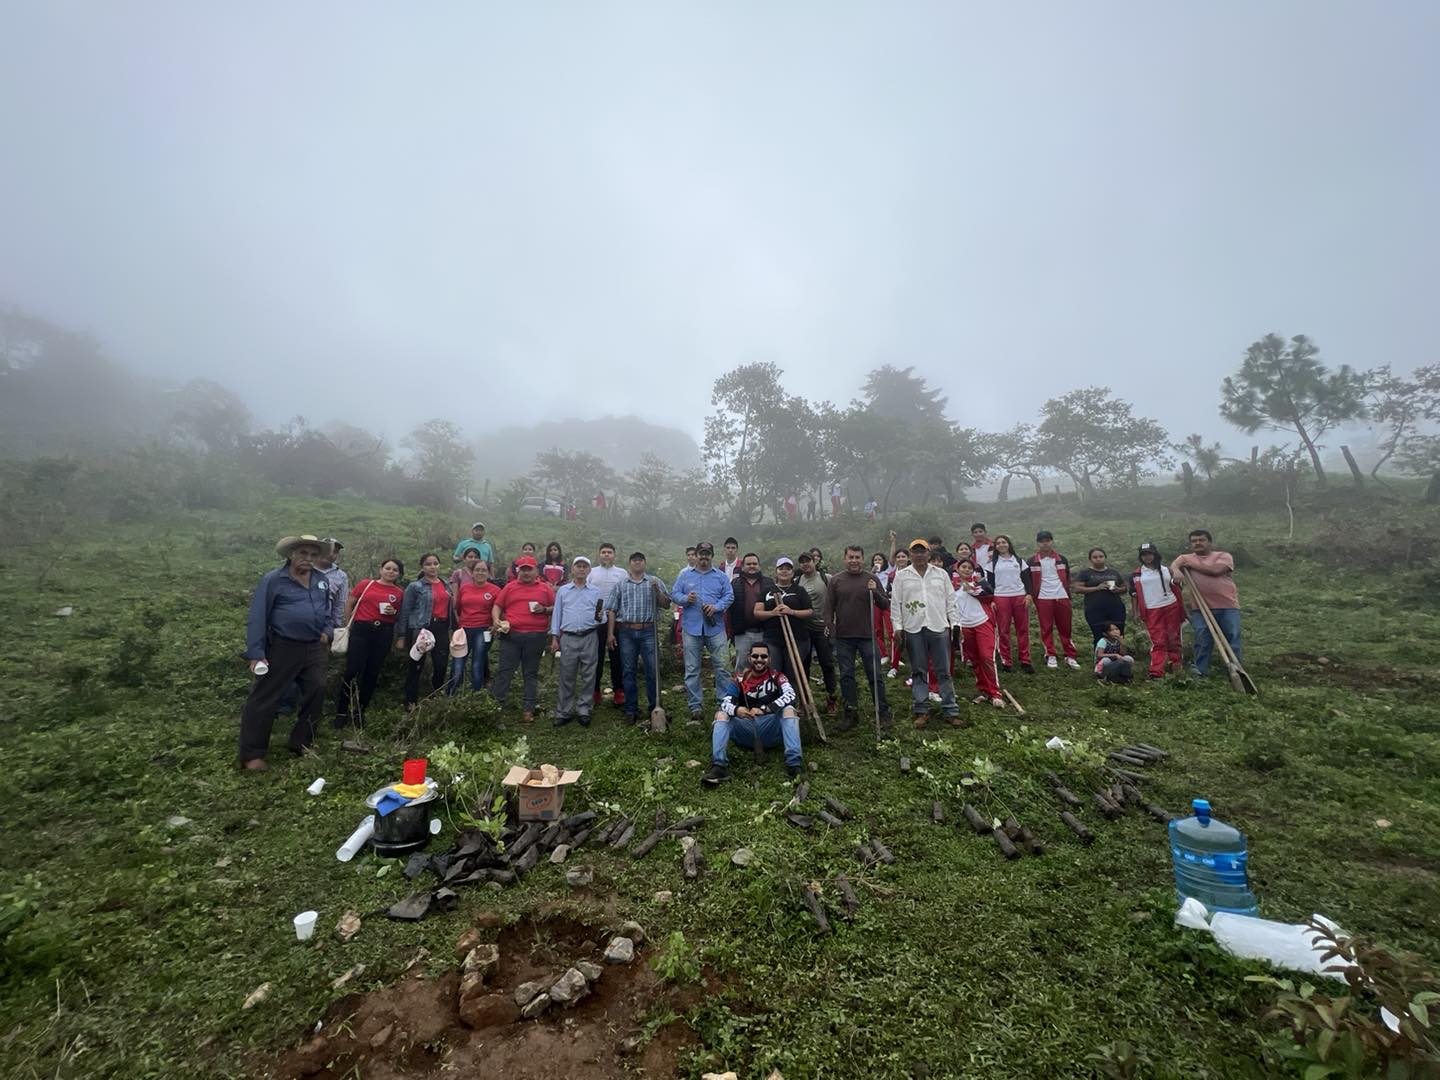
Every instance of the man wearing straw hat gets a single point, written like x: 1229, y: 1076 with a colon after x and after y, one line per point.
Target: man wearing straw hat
x: 287, y: 639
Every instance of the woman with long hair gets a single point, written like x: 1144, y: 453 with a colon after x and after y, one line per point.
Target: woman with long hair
x: 898, y: 563
x: 370, y: 612
x: 553, y: 570
x: 429, y: 605
x: 1158, y: 606
x: 474, y: 600
x: 884, y: 632
x: 1011, y: 579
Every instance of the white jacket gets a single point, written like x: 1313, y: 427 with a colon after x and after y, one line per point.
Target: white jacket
x: 926, y: 603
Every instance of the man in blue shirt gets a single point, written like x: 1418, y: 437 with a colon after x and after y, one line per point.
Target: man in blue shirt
x: 477, y: 543
x: 574, y: 637
x: 633, y: 607
x: 703, y: 593
x: 287, y: 639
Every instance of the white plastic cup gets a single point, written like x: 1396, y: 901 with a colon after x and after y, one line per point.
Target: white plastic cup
x: 305, y: 925
x: 534, y: 606
x: 435, y: 826
x: 317, y: 787
x: 357, y: 839
x: 487, y: 637
x: 262, y: 668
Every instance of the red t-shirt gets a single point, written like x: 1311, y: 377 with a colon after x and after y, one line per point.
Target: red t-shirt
x: 515, y: 599
x: 441, y: 608
x: 372, y: 594
x: 475, y: 602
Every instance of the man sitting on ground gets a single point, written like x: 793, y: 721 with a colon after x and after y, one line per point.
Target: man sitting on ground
x: 760, y: 705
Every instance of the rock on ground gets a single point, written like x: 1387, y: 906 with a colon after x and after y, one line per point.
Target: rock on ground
x: 569, y: 988
x: 489, y: 1010
x: 621, y: 950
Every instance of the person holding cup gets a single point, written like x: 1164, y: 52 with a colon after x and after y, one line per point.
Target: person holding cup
x: 474, y: 605
x: 427, y: 604
x: 521, y: 615
x: 370, y: 613
x: 1104, y: 589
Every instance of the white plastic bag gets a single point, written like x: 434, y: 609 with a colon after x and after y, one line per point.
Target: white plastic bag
x: 1287, y: 945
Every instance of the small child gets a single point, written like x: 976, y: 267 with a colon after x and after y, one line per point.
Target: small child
x: 1113, y: 663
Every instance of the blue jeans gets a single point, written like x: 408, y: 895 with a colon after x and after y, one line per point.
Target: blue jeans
x: 772, y: 730
x: 638, y: 645
x: 478, y: 659
x: 715, y: 645
x: 930, y: 648
x: 1228, y: 619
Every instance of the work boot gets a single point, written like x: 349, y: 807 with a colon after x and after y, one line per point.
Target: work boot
x: 792, y: 771
x: 715, y: 776
x: 849, y: 720
x: 1028, y: 668
x: 832, y: 707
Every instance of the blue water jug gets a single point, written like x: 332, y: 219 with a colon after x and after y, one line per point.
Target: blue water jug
x: 1211, y: 860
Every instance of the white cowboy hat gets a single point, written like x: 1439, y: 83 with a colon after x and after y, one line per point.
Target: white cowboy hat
x: 287, y: 544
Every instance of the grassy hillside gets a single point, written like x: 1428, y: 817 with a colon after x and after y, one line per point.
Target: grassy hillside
x: 130, y: 943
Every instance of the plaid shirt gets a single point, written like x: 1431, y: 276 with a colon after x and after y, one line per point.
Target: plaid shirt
x: 634, y: 601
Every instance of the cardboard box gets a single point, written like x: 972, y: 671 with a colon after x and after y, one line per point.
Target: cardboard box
x: 536, y: 800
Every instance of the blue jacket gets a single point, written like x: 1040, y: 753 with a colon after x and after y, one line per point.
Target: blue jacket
x: 282, y: 607
x: 417, y: 606
x: 711, y: 587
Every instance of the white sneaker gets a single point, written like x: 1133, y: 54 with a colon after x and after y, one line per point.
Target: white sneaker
x: 1050, y: 662
x: 999, y: 703
x: 893, y: 672
x: 934, y: 696
x: 909, y: 682
x: 1072, y: 662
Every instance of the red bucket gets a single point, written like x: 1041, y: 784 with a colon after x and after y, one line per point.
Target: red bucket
x: 414, y: 772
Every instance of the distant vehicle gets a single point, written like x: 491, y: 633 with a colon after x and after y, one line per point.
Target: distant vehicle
x: 536, y: 504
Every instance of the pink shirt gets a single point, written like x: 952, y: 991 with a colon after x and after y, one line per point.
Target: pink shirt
x: 1218, y: 589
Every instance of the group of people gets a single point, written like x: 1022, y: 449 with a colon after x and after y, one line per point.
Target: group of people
x: 760, y: 632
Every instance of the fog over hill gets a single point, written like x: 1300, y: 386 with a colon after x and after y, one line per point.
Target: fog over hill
x: 617, y: 440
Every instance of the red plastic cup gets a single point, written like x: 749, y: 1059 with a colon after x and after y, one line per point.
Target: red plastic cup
x: 414, y: 771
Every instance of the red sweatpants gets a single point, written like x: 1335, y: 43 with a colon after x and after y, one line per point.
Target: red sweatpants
x: 980, y: 648
x: 1011, y: 611
x: 1055, y: 614
x: 884, y: 632
x: 1163, y: 626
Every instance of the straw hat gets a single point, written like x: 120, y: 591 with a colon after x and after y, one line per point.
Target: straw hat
x: 287, y: 544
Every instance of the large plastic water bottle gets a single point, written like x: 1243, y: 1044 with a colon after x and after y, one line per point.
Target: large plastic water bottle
x: 1210, y: 861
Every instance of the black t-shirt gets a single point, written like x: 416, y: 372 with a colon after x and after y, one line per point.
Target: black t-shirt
x: 793, y: 595
x: 1107, y: 605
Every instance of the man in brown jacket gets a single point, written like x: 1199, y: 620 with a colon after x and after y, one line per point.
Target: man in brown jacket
x: 854, y: 594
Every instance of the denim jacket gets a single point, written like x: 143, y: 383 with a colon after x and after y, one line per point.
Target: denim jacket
x: 417, y: 605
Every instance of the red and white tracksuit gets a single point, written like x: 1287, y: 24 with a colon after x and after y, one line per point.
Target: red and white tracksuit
x: 1157, y: 597
x: 1011, y: 580
x: 1052, y: 611
x: 977, y: 631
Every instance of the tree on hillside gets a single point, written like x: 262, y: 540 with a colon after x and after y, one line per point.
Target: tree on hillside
x: 750, y: 405
x: 440, y: 457
x: 1399, y: 405
x: 209, y: 414
x: 1207, y: 459
x: 574, y: 474
x: 649, y: 483
x: 1285, y: 387
x: 899, y: 394
x: 1094, y: 438
x: 1014, y: 454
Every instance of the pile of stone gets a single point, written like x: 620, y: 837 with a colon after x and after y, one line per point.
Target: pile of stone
x: 481, y: 1005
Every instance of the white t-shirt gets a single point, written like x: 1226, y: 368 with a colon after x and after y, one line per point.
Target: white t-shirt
x: 1157, y: 590
x: 1050, y: 587
x: 982, y: 553
x: 1007, y: 576
x: 972, y: 612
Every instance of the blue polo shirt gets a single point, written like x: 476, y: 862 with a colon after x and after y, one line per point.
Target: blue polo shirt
x: 711, y: 587
x: 575, y: 609
x: 282, y: 607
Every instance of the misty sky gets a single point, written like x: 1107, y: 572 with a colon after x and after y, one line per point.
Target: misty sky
x: 342, y: 209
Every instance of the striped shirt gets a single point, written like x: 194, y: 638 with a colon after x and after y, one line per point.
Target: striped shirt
x: 634, y: 601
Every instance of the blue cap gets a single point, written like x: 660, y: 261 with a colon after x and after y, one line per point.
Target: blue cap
x: 1201, y: 808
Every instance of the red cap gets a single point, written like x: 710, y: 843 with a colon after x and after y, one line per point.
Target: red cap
x: 525, y: 560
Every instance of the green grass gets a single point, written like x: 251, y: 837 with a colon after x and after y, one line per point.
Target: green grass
x: 134, y: 943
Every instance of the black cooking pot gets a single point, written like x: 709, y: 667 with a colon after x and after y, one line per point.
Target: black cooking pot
x: 406, y: 829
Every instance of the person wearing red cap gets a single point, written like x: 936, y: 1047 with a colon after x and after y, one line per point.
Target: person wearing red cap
x: 522, y: 617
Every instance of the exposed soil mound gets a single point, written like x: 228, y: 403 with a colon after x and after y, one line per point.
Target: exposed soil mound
x: 414, y: 1027
x: 1336, y: 671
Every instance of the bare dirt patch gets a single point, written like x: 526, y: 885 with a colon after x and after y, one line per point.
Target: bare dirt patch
x: 413, y: 1028
x: 1336, y: 671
